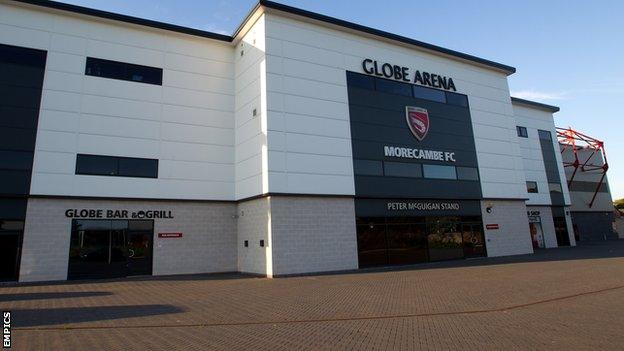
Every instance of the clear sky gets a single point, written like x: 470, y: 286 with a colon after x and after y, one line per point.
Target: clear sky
x: 567, y: 53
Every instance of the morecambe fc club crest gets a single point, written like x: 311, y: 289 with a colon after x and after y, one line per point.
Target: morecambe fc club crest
x: 418, y: 121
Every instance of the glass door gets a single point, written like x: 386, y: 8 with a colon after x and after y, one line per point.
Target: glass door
x: 139, y: 245
x: 444, y: 239
x: 110, y: 248
x: 10, y: 247
x: 474, y: 245
x: 407, y: 243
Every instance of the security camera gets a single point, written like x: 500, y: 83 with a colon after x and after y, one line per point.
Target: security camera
x: 488, y: 209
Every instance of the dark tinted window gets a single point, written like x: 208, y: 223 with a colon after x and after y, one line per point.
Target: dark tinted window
x: 429, y: 94
x: 138, y: 167
x: 116, y: 166
x: 531, y: 187
x: 100, y: 165
x: 367, y: 167
x: 401, y: 169
x: 554, y: 187
x: 123, y: 71
x: 467, y: 173
x: 522, y: 132
x: 456, y: 99
x: 544, y: 134
x: 392, y: 87
x: 439, y: 172
x: 360, y: 81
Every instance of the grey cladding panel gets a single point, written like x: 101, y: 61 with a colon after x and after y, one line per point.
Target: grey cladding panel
x: 403, y: 187
x: 552, y: 169
x: 21, y: 81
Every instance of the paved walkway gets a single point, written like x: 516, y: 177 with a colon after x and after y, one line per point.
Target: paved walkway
x: 559, y: 299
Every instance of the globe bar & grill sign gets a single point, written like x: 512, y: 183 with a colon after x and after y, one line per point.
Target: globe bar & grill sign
x: 117, y: 214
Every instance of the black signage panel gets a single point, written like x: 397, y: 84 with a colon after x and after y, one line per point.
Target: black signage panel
x: 416, y: 208
x: 407, y: 144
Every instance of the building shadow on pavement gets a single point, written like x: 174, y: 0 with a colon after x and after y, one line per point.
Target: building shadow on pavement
x: 51, y: 295
x: 37, y: 317
x: 583, y: 251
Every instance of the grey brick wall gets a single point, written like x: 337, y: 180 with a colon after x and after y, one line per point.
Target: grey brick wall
x: 253, y: 226
x: 208, y: 243
x: 513, y: 236
x: 313, y: 234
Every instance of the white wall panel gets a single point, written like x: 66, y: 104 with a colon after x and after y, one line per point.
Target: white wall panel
x: 62, y: 62
x: 535, y: 119
x: 122, y: 127
x: 61, y: 121
x: 197, y: 134
x: 307, y: 89
x: 119, y: 107
x: 69, y: 44
x: 187, y: 123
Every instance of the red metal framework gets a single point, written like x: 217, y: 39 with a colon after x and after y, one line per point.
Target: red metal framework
x: 595, y: 161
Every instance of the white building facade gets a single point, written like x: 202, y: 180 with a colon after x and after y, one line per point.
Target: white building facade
x: 300, y: 144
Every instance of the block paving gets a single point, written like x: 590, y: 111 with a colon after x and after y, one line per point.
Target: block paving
x: 556, y: 299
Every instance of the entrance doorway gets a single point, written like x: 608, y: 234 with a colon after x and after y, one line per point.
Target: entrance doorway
x: 537, y: 235
x: 561, y: 231
x: 110, y: 248
x: 408, y: 240
x: 10, y: 247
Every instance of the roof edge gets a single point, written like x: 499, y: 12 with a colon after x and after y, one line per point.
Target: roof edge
x: 539, y: 105
x: 357, y: 27
x: 125, y: 18
x: 270, y: 5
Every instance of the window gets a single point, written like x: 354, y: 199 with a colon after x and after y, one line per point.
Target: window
x: 367, y: 167
x: 439, y: 172
x: 531, y: 187
x: 467, y: 173
x: 402, y: 169
x: 123, y: 71
x: 116, y: 166
x: 522, y: 132
x: 544, y: 135
x: 360, y: 81
x: 429, y: 94
x: 392, y: 87
x: 456, y: 99
x: 554, y: 188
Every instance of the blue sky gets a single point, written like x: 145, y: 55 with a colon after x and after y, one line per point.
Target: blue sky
x: 567, y: 53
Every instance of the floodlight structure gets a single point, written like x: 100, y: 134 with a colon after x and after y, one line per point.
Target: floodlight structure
x: 594, y: 160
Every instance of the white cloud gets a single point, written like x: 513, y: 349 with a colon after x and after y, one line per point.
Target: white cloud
x: 539, y: 95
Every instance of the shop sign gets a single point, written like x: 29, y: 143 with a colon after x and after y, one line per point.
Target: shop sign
x: 169, y: 235
x: 117, y: 214
x: 402, y: 73
x: 423, y: 206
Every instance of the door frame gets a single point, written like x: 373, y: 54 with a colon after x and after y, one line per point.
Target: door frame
x: 151, y: 250
x: 20, y: 245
